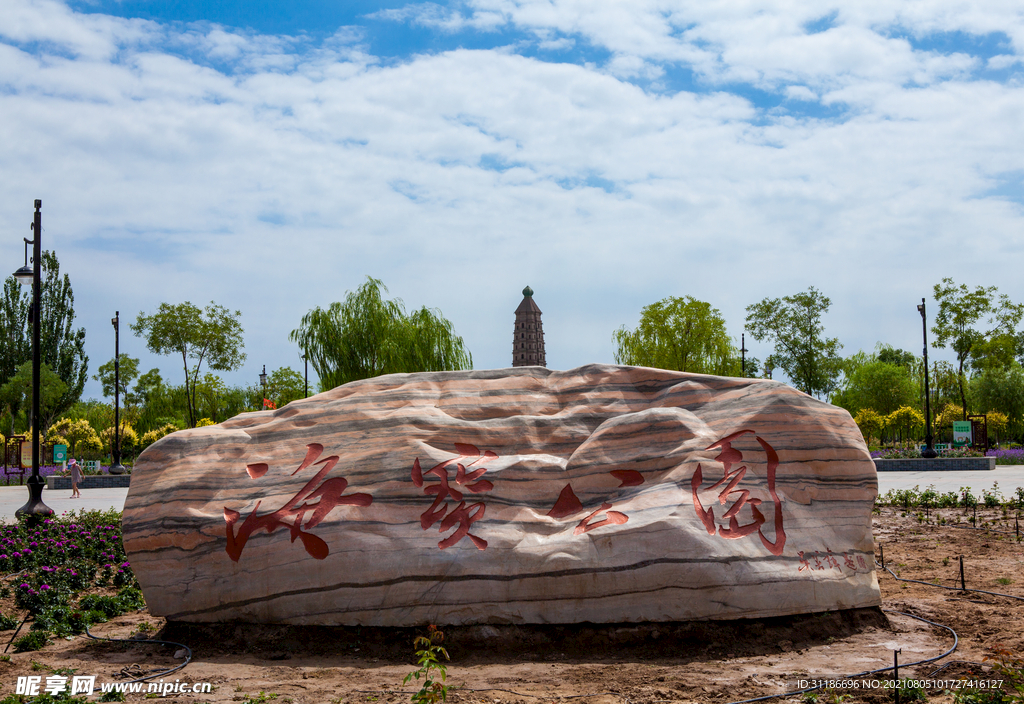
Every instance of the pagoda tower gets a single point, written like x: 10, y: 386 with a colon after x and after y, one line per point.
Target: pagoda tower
x: 528, y: 339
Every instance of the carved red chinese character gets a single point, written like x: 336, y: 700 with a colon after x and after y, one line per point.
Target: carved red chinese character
x: 730, y: 456
x: 831, y: 560
x: 568, y: 504
x: 326, y: 497
x: 804, y: 564
x: 463, y: 515
x: 848, y: 561
x: 860, y: 561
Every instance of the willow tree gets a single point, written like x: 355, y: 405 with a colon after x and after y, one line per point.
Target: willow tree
x: 369, y: 335
x: 681, y: 334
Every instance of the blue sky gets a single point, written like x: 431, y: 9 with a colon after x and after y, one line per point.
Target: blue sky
x: 608, y: 154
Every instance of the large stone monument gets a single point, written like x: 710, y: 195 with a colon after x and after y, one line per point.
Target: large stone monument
x: 602, y: 494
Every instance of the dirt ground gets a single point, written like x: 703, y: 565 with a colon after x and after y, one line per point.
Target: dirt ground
x: 680, y: 662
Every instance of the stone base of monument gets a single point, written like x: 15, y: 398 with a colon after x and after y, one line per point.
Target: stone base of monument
x: 510, y: 643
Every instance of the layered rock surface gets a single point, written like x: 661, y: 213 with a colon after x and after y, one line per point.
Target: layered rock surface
x: 602, y: 494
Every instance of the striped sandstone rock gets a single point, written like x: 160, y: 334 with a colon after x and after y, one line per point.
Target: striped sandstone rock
x: 602, y: 494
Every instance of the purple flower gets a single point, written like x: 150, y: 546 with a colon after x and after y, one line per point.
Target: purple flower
x: 45, y: 587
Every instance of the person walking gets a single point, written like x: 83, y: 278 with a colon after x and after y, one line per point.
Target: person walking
x: 76, y: 478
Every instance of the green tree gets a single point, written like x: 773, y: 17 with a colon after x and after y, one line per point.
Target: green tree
x: 906, y: 421
x: 1002, y: 391
x: 61, y: 346
x: 209, y: 392
x: 284, y: 385
x: 877, y: 385
x: 956, y: 323
x: 213, y: 335
x: 681, y: 334
x: 74, y: 431
x: 898, y: 357
x: 52, y: 390
x: 793, y: 324
x: 128, y: 372
x: 367, y: 336
x: 870, y: 423
x: 15, y: 343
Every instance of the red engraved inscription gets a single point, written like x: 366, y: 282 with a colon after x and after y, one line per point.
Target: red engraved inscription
x: 730, y: 456
x: 568, y: 504
x: 848, y: 561
x: 315, y: 497
x: 466, y: 480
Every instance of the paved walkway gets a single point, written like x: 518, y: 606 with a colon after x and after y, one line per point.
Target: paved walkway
x: 14, y: 497
x: 1009, y: 477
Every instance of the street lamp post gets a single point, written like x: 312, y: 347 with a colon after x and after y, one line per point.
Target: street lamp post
x: 35, y: 510
x: 263, y: 384
x: 115, y: 465
x: 929, y: 449
x: 305, y: 361
x: 743, y: 354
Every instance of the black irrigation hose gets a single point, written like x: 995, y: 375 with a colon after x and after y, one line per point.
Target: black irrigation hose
x: 955, y: 662
x: 16, y: 632
x: 955, y: 589
x: 956, y: 641
x: 188, y: 655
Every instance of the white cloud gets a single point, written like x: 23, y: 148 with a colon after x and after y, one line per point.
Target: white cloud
x: 801, y: 93
x: 277, y: 181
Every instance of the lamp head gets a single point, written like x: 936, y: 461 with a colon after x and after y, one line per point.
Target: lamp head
x: 263, y: 376
x: 25, y: 275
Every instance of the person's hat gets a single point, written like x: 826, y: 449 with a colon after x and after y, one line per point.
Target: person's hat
x: 72, y: 461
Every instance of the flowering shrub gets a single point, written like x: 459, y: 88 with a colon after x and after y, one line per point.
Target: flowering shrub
x: 1011, y: 456
x: 60, y: 559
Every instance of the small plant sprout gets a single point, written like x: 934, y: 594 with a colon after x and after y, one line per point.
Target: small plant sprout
x: 427, y: 652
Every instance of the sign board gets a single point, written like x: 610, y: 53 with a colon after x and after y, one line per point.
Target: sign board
x: 26, y: 454
x: 961, y: 433
x: 60, y: 453
x: 979, y: 432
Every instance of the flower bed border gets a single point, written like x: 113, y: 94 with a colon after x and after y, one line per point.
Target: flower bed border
x: 937, y: 464
x: 91, y: 481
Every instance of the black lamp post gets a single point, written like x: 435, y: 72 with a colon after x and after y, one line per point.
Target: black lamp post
x: 305, y: 361
x: 263, y: 384
x: 743, y: 354
x: 929, y: 448
x: 115, y: 465
x: 35, y: 510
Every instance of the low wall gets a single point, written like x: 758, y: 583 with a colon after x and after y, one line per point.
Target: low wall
x: 937, y: 464
x: 97, y: 481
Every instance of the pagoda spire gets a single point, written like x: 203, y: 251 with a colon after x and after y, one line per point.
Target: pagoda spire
x: 528, y: 338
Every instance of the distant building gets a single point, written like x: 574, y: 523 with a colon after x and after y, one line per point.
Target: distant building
x: 528, y: 340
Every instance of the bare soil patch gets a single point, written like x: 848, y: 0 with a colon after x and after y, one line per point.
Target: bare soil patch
x: 641, y: 664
